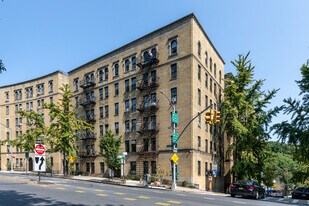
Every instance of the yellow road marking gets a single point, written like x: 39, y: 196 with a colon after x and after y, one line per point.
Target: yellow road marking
x: 174, y: 202
x: 80, y: 191
x: 102, y: 195
x: 118, y: 193
x: 60, y: 188
x: 162, y: 203
x: 143, y: 197
x: 130, y: 199
x: 99, y: 190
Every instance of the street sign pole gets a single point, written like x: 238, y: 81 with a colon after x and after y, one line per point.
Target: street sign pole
x: 174, y: 185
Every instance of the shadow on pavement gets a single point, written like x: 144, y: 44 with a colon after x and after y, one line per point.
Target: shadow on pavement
x: 11, y: 197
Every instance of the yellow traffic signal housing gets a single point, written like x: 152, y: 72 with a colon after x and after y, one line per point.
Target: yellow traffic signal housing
x: 217, y: 117
x: 209, y: 117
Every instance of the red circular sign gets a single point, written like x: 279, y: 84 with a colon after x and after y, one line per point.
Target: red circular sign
x: 39, y: 149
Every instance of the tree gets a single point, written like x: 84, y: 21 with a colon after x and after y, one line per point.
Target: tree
x: 2, y: 68
x: 62, y: 133
x: 110, y: 145
x: 244, y: 119
x: 296, y: 131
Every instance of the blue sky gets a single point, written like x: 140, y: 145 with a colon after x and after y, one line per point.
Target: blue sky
x: 38, y: 37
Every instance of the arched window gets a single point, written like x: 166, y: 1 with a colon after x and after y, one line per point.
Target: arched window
x: 199, y: 48
x: 174, y: 49
x: 215, y: 70
x: 154, y: 53
x: 101, y: 75
x: 92, y: 77
x: 116, y: 69
x: 87, y: 79
x: 133, y: 63
x: 210, y: 64
x: 206, y: 59
x: 146, y: 56
x: 127, y: 65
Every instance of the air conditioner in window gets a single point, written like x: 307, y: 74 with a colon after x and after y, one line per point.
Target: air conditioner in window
x: 127, y: 109
x: 174, y: 100
x: 153, y: 103
x: 127, y: 130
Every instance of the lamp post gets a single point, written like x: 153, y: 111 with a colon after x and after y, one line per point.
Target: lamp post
x: 172, y: 103
x: 10, y: 138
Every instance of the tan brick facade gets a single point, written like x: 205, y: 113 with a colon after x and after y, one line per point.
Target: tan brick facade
x: 183, y: 45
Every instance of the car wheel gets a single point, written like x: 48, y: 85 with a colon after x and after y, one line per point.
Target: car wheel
x: 232, y: 195
x: 257, y: 196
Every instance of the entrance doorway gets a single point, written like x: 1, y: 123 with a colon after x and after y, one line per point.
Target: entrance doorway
x: 30, y: 164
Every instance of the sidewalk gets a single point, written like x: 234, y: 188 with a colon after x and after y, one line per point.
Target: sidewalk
x: 117, y: 181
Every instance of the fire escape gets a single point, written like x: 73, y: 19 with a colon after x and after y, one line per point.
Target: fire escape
x: 87, y: 100
x: 147, y: 105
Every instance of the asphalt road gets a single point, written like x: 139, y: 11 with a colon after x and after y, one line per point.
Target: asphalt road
x: 19, y: 190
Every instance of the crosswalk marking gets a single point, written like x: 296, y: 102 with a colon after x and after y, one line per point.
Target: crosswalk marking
x: 80, y: 191
x: 158, y: 192
x: 295, y: 201
x: 99, y: 190
x: 209, y: 198
x: 60, y: 188
x: 130, y: 199
x: 118, y: 193
x: 102, y: 195
x: 281, y: 199
x: 143, y: 197
x: 182, y: 195
x: 162, y: 203
x: 174, y: 202
x: 239, y: 202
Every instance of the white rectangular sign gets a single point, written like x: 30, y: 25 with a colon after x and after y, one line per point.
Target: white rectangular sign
x: 39, y: 163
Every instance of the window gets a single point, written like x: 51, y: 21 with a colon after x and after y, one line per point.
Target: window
x: 133, y: 128
x: 106, y: 111
x: 133, y: 104
x: 210, y: 84
x: 101, y: 93
x: 127, y: 126
x: 116, y: 89
x: 102, y: 167
x: 51, y: 86
x: 76, y: 84
x: 40, y: 89
x: 206, y: 101
x: 127, y: 65
x: 206, y: 145
x: 127, y: 146
x: 92, y: 167
x: 127, y: 85
x: 116, y: 69
x: 210, y: 64
x: 206, y: 59
x: 18, y: 94
x: 101, y: 75
x: 133, y: 82
x: 174, y: 46
x: 145, y: 101
x: 153, y: 122
x: 199, y: 96
x: 106, y: 92
x: 29, y: 92
x: 101, y: 112
x: 133, y: 63
x: 215, y: 89
x: 7, y: 110
x: 199, y: 72
x: 199, y: 168
x: 127, y: 105
x: 117, y: 127
x: 199, y: 121
x: 206, y: 168
x: 51, y: 99
x: 174, y: 94
x: 199, y: 48
x: 106, y: 127
x: 7, y: 123
x: 199, y: 141
x: 174, y: 71
x: 133, y: 146
x: 153, y: 167
x: 146, y: 169
x: 220, y: 76
x: 106, y: 73
x: 210, y: 147
x: 76, y: 101
x: 116, y: 109
x: 7, y: 96
x: 153, y: 144
x: 206, y: 80
x: 133, y: 168
x: 101, y: 130
x: 215, y: 70
x: 153, y: 99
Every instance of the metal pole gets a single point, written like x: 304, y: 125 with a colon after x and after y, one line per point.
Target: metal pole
x: 174, y: 185
x: 39, y: 176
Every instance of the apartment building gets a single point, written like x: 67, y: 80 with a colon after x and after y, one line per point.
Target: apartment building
x: 28, y: 96
x: 122, y: 91
x: 129, y: 90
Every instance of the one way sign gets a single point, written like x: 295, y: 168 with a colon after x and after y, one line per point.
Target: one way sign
x: 39, y: 163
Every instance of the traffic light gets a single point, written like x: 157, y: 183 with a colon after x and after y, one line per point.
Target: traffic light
x: 217, y: 117
x: 209, y: 117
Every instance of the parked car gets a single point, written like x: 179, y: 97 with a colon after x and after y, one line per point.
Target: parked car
x: 274, y: 193
x: 247, y: 188
x: 300, y: 192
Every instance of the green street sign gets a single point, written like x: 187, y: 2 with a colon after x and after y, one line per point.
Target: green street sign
x: 26, y: 154
x: 175, y: 149
x: 169, y: 146
x: 174, y: 117
x: 175, y: 138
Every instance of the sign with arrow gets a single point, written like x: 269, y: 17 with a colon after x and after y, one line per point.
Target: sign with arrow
x: 39, y: 163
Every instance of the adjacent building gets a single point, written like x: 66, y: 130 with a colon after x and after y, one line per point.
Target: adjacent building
x: 129, y: 91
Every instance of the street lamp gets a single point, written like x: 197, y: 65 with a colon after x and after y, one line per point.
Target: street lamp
x: 10, y: 138
x: 172, y: 103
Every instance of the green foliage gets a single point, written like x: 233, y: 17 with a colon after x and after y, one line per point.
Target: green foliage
x: 9, y: 165
x: 2, y: 67
x: 295, y: 131
x: 111, y: 147
x: 245, y: 120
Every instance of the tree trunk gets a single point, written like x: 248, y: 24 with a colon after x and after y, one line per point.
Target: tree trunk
x: 65, y: 172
